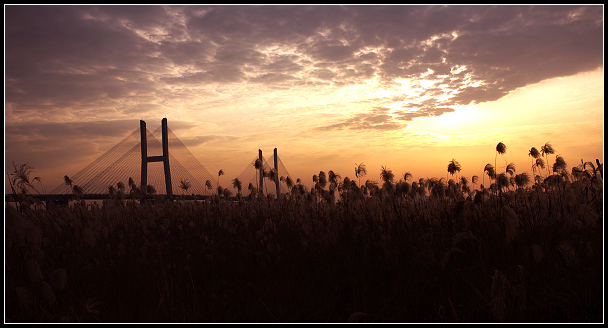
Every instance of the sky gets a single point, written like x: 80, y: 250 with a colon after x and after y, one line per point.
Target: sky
x: 405, y: 87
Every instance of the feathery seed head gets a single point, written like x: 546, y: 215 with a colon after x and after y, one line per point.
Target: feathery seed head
x: 560, y: 164
x: 237, y: 184
x: 464, y: 181
x: 510, y: 169
x: 534, y: 152
x: 501, y: 148
x: 547, y: 149
x: 453, y: 167
x: 502, y: 180
x: 407, y: 175
x: 540, y: 163
x: 68, y: 181
x: 489, y: 168
x: 386, y: 175
x: 522, y: 179
x: 360, y: 170
x: 150, y: 189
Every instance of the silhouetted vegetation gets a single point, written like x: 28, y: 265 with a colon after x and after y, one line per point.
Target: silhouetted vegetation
x: 420, y: 251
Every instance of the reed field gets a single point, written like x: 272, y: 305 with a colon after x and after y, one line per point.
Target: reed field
x: 397, y: 251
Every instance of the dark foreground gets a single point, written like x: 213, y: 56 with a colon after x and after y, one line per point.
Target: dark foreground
x: 533, y: 256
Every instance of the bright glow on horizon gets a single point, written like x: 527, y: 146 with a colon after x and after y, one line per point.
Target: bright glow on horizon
x: 462, y: 115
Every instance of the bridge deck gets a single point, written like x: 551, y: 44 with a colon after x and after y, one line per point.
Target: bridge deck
x: 69, y: 197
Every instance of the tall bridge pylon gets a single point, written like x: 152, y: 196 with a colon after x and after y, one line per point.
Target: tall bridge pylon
x: 145, y: 159
x: 128, y: 160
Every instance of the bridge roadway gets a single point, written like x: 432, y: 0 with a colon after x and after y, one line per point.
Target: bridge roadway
x: 65, y: 198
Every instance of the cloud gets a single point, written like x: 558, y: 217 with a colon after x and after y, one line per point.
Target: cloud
x: 330, y: 51
x: 379, y: 119
x: 85, y: 64
x: 423, y: 111
x: 64, y: 56
x: 272, y: 78
x: 61, y: 131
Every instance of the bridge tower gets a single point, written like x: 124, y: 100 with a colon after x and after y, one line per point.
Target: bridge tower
x: 145, y: 159
x: 261, y: 170
x: 276, y: 168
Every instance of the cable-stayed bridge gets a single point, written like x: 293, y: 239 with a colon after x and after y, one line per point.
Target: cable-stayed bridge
x: 135, y: 159
x: 250, y: 177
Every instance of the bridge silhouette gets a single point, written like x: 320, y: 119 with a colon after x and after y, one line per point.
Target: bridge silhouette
x: 134, y: 159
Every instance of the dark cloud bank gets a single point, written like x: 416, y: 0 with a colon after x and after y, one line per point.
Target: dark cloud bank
x: 63, y: 61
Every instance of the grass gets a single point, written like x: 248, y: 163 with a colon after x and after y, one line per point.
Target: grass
x: 380, y: 258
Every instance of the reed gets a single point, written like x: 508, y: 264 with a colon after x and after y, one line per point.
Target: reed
x: 429, y: 251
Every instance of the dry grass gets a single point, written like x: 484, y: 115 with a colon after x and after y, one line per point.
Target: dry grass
x: 390, y: 257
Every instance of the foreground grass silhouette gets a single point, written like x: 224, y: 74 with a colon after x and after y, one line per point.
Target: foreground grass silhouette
x: 386, y: 258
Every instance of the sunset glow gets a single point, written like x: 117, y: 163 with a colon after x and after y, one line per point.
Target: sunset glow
x: 406, y: 87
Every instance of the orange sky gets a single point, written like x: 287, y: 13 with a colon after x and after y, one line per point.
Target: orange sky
x: 404, y: 87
